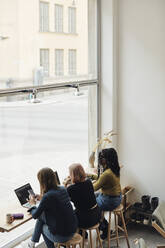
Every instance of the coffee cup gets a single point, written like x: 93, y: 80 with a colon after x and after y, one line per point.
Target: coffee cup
x: 9, y: 218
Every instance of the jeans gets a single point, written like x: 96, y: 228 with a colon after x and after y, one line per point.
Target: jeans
x: 49, y: 238
x: 107, y: 202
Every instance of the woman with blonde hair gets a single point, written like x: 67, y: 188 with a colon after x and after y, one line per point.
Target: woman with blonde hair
x: 81, y: 193
x: 56, y: 220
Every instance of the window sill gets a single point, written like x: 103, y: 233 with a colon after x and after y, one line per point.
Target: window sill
x: 16, y: 236
x: 59, y: 33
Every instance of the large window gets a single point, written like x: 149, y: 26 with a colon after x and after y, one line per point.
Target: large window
x: 44, y: 17
x: 72, y: 62
x: 58, y: 18
x: 59, y: 62
x: 44, y: 61
x: 72, y: 20
x: 51, y: 57
x: 51, y: 133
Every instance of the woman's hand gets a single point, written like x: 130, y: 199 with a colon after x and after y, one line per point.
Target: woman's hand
x: 32, y: 200
x: 38, y: 197
x: 67, y: 181
x: 92, y: 159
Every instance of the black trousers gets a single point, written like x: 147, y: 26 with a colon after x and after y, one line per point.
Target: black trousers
x: 88, y: 218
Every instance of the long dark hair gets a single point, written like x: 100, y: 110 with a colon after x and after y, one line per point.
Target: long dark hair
x: 111, y: 158
x: 47, y: 180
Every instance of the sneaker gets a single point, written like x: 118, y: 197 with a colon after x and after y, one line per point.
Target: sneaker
x: 31, y: 244
x: 86, y: 234
x: 104, y: 235
x: 103, y: 224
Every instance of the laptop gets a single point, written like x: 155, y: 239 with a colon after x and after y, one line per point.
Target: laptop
x: 23, y: 194
x: 57, y: 178
x: 24, y: 191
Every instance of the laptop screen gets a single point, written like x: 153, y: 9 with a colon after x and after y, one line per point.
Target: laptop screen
x: 57, y: 178
x: 22, y: 193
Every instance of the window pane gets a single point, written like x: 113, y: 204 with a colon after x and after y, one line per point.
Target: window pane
x: 51, y: 133
x: 36, y: 49
x: 58, y: 18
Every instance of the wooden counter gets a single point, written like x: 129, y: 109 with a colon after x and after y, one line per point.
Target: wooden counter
x: 13, y: 209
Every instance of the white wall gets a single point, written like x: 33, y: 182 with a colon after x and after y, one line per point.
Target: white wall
x: 141, y: 87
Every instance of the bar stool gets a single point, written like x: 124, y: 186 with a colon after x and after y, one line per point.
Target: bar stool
x: 76, y: 240
x: 96, y: 227
x: 118, y: 212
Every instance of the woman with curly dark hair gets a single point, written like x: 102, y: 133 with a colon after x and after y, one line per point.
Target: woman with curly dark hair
x: 108, y: 182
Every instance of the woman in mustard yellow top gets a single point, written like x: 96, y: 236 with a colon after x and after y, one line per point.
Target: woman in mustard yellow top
x: 109, y: 184
x: 109, y: 181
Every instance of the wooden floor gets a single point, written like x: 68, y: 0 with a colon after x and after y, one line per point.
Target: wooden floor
x: 151, y: 237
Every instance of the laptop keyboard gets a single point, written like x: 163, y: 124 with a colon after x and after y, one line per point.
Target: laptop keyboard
x: 27, y: 205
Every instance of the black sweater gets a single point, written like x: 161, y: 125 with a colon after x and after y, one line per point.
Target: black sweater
x: 82, y: 195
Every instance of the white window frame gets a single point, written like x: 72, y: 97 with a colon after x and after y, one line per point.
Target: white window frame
x: 44, y: 60
x: 72, y: 20
x: 72, y: 61
x: 58, y: 18
x: 59, y: 62
x: 44, y: 16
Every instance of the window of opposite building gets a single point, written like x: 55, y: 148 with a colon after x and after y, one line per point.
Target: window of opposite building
x: 44, y: 17
x: 58, y: 18
x: 44, y: 61
x: 72, y: 20
x: 59, y: 62
x: 72, y: 62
